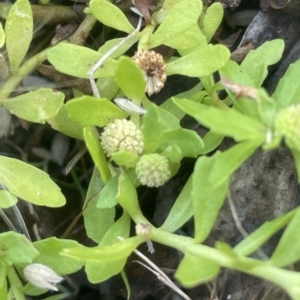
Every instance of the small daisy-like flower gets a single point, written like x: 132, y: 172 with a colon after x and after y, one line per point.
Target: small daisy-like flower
x: 42, y: 276
x: 153, y: 67
x: 287, y: 124
x: 153, y: 170
x: 122, y: 135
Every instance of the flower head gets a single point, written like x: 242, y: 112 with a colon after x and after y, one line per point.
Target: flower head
x: 42, y: 276
x: 122, y: 135
x: 153, y: 67
x: 153, y: 170
x: 287, y: 124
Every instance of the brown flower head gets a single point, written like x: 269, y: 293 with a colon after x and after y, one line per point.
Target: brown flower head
x: 153, y: 67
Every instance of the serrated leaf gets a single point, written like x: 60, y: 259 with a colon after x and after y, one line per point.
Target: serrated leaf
x: 207, y: 199
x: 64, y: 124
x: 152, y: 129
x: 29, y: 183
x: 257, y: 61
x: 288, y: 248
x: 130, y: 79
x: 15, y: 249
x: 194, y: 270
x: 18, y: 33
x: 224, y: 122
x: 181, y: 211
x: 212, y: 19
x: 78, y: 60
x: 227, y: 162
x: 182, y: 16
x: 188, y: 141
x: 110, y: 15
x: 112, y: 252
x: 91, y: 138
x: 288, y: 88
x: 50, y: 256
x: 97, y: 220
x: 201, y: 62
x: 90, y: 111
x: 2, y: 36
x: 257, y: 238
x: 37, y: 106
x: 7, y: 199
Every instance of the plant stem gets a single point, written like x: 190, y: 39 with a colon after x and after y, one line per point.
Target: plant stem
x: 23, y: 71
x: 51, y: 15
x: 15, y: 283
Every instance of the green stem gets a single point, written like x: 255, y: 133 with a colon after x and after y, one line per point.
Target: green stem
x: 46, y: 14
x: 15, y: 283
x: 10, y: 85
x: 288, y: 280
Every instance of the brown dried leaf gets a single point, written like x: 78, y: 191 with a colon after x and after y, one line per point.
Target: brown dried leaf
x: 63, y: 32
x: 145, y: 6
x: 239, y: 90
x: 239, y: 54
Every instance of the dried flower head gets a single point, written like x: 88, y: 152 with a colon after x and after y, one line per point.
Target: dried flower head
x: 122, y: 135
x: 287, y: 124
x: 153, y: 67
x: 153, y: 170
x: 42, y: 276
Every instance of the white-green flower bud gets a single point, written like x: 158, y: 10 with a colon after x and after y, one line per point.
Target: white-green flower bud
x: 153, y: 170
x: 42, y: 276
x: 287, y: 124
x: 122, y: 135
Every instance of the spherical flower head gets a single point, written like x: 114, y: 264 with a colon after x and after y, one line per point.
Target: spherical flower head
x: 153, y: 67
x: 287, y: 124
x: 153, y: 170
x: 122, y: 135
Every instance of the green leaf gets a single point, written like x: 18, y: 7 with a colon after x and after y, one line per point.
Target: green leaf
x: 288, y: 249
x: 181, y: 211
x: 108, y: 195
x: 110, y: 15
x: 296, y: 155
x: 18, y: 33
x: 90, y: 111
x: 7, y: 199
x: 37, y: 106
x: 227, y: 162
x: 91, y: 138
x: 201, y: 62
x: 211, y: 141
x: 180, y: 19
x: 188, y: 141
x: 95, y: 187
x: 3, y: 284
x: 113, y: 42
x: 257, y: 238
x: 212, y: 20
x: 77, y: 61
x: 130, y: 79
x: 152, y: 129
x: 107, y: 87
x: 188, y: 40
x: 2, y: 36
x: 97, y: 221
x: 113, y: 252
x: 125, y: 159
x: 127, y: 196
x: 63, y: 123
x: 50, y: 256
x: 98, y: 272
x: 29, y: 183
x: 257, y: 61
x: 194, y: 270
x: 288, y: 88
x: 224, y: 122
x: 207, y: 199
x: 15, y: 249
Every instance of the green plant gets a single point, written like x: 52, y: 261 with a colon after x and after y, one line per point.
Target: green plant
x: 248, y: 115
